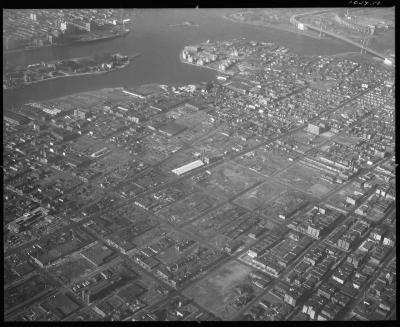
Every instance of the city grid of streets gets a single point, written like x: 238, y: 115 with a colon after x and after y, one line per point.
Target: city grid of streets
x: 266, y: 194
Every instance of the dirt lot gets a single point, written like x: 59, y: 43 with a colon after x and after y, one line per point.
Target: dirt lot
x: 305, y: 179
x: 263, y: 161
x: 229, y: 179
x: 347, y: 140
x: 151, y: 296
x: 286, y: 203
x: 190, y: 207
x: 216, y: 291
x: 72, y: 268
x: 338, y: 199
x: 208, y: 225
x: 259, y: 195
x: 87, y: 143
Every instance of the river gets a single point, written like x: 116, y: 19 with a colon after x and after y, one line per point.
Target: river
x: 159, y: 45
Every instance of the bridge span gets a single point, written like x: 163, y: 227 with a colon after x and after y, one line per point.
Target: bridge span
x: 294, y: 20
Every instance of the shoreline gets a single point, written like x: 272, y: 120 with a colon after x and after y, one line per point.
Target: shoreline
x: 291, y: 29
x: 73, y: 75
x: 74, y: 43
x: 278, y: 27
x: 183, y: 61
x: 341, y: 54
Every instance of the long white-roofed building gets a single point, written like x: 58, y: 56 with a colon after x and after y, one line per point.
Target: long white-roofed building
x: 188, y: 167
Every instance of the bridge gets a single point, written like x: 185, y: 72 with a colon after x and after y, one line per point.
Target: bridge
x: 294, y: 20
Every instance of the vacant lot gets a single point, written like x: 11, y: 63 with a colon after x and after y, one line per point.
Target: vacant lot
x: 158, y: 148
x: 323, y: 85
x: 264, y: 161
x: 216, y: 291
x: 185, y: 210
x: 304, y: 141
x: 87, y: 143
x: 209, y: 224
x: 305, y: 179
x: 151, y: 236
x: 347, y: 140
x: 71, y: 269
x: 112, y: 161
x: 285, y: 204
x: 261, y: 194
x: 229, y: 179
x: 338, y: 199
x: 151, y: 295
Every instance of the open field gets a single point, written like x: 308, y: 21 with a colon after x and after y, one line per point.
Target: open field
x: 151, y: 295
x: 304, y: 178
x: 87, y: 144
x: 199, y: 125
x: 259, y: 195
x: 86, y: 99
x: 171, y: 254
x: 135, y: 214
x: 150, y: 178
x: 323, y: 85
x: 217, y: 291
x: 214, y: 143
x: 112, y: 160
x: 71, y: 269
x: 193, y: 134
x: 304, y: 141
x: 285, y: 204
x: 347, y: 140
x: 264, y: 161
x: 229, y: 179
x: 338, y: 199
x: 209, y: 225
x: 158, y: 148
x: 375, y: 215
x: 193, y: 119
x: 182, y: 211
x: 220, y: 241
x: 151, y: 235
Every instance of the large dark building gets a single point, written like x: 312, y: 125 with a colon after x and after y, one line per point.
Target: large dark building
x: 16, y: 119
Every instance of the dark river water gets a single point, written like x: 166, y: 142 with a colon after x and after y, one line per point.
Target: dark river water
x: 159, y: 46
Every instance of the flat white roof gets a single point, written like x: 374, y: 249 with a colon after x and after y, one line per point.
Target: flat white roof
x: 134, y: 94
x: 188, y: 167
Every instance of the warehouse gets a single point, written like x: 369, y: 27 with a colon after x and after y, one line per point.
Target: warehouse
x: 14, y: 118
x: 190, y: 166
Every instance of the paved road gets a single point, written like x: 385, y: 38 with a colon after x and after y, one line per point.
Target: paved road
x: 315, y: 244
x: 295, y: 21
x: 187, y: 176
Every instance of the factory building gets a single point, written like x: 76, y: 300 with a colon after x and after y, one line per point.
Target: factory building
x: 15, y: 119
x: 188, y: 167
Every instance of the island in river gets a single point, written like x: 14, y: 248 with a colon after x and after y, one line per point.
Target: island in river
x: 21, y: 76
